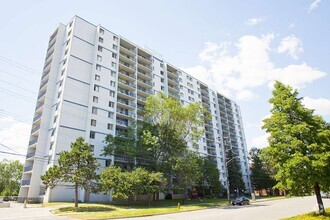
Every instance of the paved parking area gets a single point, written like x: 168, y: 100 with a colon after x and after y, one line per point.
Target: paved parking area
x: 32, y: 212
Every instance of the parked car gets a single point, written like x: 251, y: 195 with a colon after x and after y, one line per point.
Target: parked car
x: 241, y: 201
x: 325, y: 195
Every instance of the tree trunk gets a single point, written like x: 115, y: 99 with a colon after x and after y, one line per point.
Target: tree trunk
x: 319, y: 198
x: 76, y: 195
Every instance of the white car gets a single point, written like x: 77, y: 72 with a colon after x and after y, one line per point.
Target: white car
x: 325, y: 195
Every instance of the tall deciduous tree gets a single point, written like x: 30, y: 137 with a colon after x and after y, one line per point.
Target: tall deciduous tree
x: 299, y: 145
x: 260, y: 172
x: 171, y: 126
x: 211, y: 176
x: 10, y: 176
x: 77, y: 166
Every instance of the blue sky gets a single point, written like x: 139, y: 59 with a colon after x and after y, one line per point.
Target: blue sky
x: 238, y: 47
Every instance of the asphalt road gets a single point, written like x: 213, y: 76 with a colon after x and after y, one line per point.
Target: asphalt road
x: 275, y: 209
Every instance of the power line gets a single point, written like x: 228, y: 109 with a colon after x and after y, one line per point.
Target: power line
x: 8, y: 148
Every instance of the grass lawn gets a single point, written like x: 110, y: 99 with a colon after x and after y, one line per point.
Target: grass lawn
x: 311, y: 216
x: 115, y: 210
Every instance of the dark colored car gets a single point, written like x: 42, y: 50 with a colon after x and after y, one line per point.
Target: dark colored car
x: 241, y: 201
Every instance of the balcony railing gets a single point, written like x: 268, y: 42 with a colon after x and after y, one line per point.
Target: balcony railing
x: 145, y: 82
x: 143, y: 57
x: 37, y: 117
x: 39, y: 105
x: 41, y: 94
x: 35, y: 128
x: 45, y: 74
x: 146, y: 66
x: 174, y: 73
x: 126, y: 83
x: 29, y: 155
x: 127, y: 65
x: 131, y: 94
x: 144, y: 73
x: 144, y: 90
x: 129, y: 49
x: 127, y: 74
x: 42, y: 84
x: 128, y: 57
x: 126, y: 103
x: 127, y: 113
x: 141, y: 98
x: 31, y: 142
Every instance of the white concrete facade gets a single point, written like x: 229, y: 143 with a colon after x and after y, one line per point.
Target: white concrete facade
x: 93, y: 82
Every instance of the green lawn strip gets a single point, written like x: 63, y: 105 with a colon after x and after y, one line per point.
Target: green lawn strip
x: 101, y: 211
x: 311, y: 216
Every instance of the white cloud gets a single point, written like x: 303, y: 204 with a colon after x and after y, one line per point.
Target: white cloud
x: 245, y: 95
x: 291, y: 45
x: 292, y: 25
x: 254, y: 21
x: 250, y: 66
x: 199, y: 72
x: 314, y: 5
x: 320, y: 105
x: 15, y: 135
x: 260, y: 141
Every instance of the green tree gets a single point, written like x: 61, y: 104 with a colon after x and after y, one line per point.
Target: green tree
x: 10, y: 177
x: 126, y: 184
x: 77, y: 166
x: 235, y: 179
x: 170, y: 126
x: 211, y: 176
x: 260, y: 173
x: 299, y: 145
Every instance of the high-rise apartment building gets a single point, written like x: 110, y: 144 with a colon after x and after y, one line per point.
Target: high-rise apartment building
x: 93, y: 83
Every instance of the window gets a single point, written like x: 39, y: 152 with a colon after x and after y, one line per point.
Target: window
x: 100, y: 39
x: 94, y: 110
x: 113, y: 73
x: 69, y: 33
x: 162, y: 73
x: 110, y: 126
x: 107, y: 162
x: 110, y: 114
x: 115, y: 38
x: 70, y: 24
x: 181, y: 87
x: 114, y: 55
x: 95, y: 99
x: 162, y: 80
x: 162, y: 88
x: 92, y: 135
x: 99, y: 58
x: 59, y: 95
x: 92, y: 147
x: 97, y: 77
x: 98, y: 67
x: 112, y: 93
x: 93, y: 122
x: 101, y: 31
x: 161, y: 65
x: 112, y: 83
x: 115, y: 47
x: 111, y: 104
x: 113, y: 64
x: 99, y: 48
x: 96, y: 88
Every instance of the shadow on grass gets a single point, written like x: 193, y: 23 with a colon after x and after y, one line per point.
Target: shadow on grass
x: 86, y: 209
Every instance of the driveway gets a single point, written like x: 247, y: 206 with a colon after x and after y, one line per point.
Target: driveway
x: 32, y: 212
x: 275, y: 209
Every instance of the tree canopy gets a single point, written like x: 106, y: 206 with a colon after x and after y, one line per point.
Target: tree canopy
x: 299, y: 145
x: 10, y: 177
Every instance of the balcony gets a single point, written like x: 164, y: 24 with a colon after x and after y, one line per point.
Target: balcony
x: 25, y: 182
x: 209, y: 124
x: 172, y: 73
x: 126, y: 58
x: 143, y: 91
x: 126, y: 75
x: 122, y: 123
x: 144, y: 59
x: 43, y: 85
x: 211, y: 146
x: 145, y: 67
x: 47, y: 64
x: 173, y: 95
x: 126, y: 114
x: 173, y: 88
x: 51, y: 44
x: 173, y: 81
x: 125, y: 104
x: 29, y: 155
x: 140, y: 118
x: 35, y: 129
x: 141, y: 98
x: 144, y: 75
x: 39, y: 106
x: 37, y: 117
x: 126, y: 93
x: 127, y: 50
x: 127, y: 67
x: 126, y: 84
x: 33, y: 141
x: 147, y: 84
x: 45, y: 74
x: 41, y: 95
x: 28, y: 168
